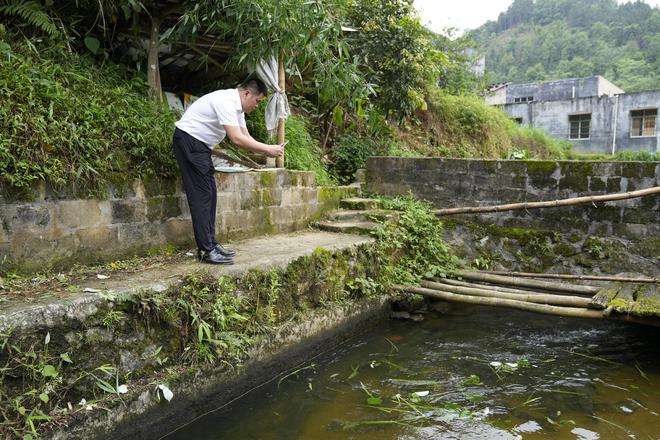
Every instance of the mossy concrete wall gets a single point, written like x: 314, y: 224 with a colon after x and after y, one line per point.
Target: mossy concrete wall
x: 52, y: 229
x: 452, y: 183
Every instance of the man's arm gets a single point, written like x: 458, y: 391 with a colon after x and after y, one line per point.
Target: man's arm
x: 241, y: 137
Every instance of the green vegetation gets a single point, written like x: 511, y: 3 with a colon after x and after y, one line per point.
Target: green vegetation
x: 465, y: 126
x: 554, y: 39
x: 207, y: 323
x: 68, y: 121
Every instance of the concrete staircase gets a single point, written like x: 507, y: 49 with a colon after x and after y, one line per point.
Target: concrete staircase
x: 356, y: 216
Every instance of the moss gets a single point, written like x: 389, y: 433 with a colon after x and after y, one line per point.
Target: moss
x: 649, y: 247
x: 541, y: 167
x: 268, y: 179
x: 618, y: 303
x: 565, y: 250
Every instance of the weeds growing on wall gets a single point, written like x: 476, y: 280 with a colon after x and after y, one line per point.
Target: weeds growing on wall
x: 413, y: 246
x: 66, y: 120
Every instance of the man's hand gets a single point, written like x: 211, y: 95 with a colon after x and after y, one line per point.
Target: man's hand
x: 275, y: 150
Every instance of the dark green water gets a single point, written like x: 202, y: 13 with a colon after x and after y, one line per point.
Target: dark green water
x: 568, y: 379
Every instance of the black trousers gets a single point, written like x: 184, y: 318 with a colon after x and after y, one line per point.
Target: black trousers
x: 197, y: 173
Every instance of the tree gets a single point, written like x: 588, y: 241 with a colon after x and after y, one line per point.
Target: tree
x: 395, y: 52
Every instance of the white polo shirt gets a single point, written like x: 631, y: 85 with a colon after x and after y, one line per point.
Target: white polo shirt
x: 206, y: 117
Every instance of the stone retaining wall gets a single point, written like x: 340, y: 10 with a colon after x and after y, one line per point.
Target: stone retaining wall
x: 464, y: 182
x: 52, y: 230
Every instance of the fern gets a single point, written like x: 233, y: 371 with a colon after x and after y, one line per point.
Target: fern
x: 31, y: 12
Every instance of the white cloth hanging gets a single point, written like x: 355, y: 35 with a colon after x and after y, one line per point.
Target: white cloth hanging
x: 278, y: 104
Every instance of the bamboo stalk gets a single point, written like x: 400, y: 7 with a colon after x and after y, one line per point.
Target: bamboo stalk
x: 281, y: 124
x: 540, y: 298
x: 511, y: 281
x: 225, y: 156
x: 571, y: 312
x: 480, y: 286
x: 575, y: 312
x: 550, y: 203
x: 573, y: 277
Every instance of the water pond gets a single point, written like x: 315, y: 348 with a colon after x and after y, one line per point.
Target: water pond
x: 492, y: 374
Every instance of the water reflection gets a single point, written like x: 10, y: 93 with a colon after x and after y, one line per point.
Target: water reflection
x: 494, y: 374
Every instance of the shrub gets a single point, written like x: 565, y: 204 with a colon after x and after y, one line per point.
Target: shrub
x: 69, y: 122
x: 645, y: 156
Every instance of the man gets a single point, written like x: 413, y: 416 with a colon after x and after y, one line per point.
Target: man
x: 203, y: 125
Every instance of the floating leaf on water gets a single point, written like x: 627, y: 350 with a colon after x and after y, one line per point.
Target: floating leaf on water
x: 472, y: 380
x: 375, y: 401
x: 420, y: 393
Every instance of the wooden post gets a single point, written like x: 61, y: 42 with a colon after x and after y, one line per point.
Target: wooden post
x: 153, y: 70
x: 279, y: 162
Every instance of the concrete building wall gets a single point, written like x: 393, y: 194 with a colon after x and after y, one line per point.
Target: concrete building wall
x: 50, y: 230
x: 449, y: 183
x: 606, y: 112
x: 562, y: 89
x: 628, y: 103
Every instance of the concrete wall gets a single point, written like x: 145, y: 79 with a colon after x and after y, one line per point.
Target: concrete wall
x: 463, y: 182
x: 54, y: 230
x: 563, y: 89
x: 606, y: 112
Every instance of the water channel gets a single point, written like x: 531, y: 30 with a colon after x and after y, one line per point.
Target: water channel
x: 491, y: 374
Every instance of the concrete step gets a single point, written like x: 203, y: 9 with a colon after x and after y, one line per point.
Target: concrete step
x: 348, y: 226
x: 363, y: 215
x: 359, y: 203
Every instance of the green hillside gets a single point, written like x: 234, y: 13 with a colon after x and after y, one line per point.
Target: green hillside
x: 553, y: 39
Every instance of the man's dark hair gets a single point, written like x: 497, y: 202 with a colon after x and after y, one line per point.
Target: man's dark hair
x: 254, y: 85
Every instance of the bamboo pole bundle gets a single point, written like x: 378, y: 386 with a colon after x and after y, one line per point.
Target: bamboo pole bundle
x: 576, y: 312
x: 535, y: 284
x: 562, y: 276
x: 549, y: 203
x: 480, y: 286
x: 571, y: 312
x: 540, y: 298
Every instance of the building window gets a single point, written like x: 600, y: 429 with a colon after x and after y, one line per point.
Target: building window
x: 523, y: 99
x: 579, y: 126
x: 643, y: 122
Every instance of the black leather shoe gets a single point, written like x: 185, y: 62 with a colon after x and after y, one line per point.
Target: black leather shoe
x: 225, y: 252
x: 215, y: 257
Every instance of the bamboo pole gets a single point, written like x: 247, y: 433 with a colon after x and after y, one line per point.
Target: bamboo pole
x: 550, y: 203
x: 510, y: 281
x: 480, y: 286
x: 540, y: 298
x: 576, y: 312
x: 571, y: 312
x: 153, y: 70
x: 281, y: 123
x: 573, y: 277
